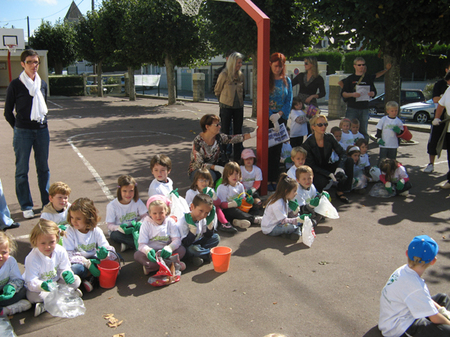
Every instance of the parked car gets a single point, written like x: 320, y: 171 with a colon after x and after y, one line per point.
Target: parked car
x: 376, y: 105
x: 421, y: 112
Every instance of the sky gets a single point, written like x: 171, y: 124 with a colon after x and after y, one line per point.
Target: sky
x: 13, y: 13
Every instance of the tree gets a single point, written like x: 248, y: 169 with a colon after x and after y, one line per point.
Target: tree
x: 396, y: 28
x: 291, y: 29
x: 59, y: 41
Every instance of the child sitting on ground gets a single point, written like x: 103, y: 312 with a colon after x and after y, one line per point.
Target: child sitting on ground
x: 56, y: 209
x: 393, y: 174
x: 364, y: 160
x: 354, y: 127
x: 197, y: 230
x: 47, y: 263
x: 231, y: 194
x: 202, y: 183
x: 158, y: 232
x: 307, y: 197
x: 347, y: 136
x: 85, y: 242
x: 124, y: 213
x: 298, y: 155
x: 387, y: 130
x: 359, y: 179
x: 12, y: 290
x: 406, y: 306
x: 278, y: 218
x: 251, y: 176
x: 337, y: 133
x: 299, y: 123
x: 160, y: 165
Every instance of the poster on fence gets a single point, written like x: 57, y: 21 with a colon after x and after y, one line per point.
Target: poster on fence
x: 147, y: 80
x: 278, y: 137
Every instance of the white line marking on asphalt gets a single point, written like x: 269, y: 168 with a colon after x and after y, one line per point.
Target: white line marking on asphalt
x: 59, y: 106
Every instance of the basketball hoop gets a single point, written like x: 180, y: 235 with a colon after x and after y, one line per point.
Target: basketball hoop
x: 192, y: 7
x: 11, y: 48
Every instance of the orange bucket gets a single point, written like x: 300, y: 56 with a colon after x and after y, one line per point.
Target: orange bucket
x: 108, y: 273
x: 406, y: 134
x: 221, y: 258
x: 245, y: 206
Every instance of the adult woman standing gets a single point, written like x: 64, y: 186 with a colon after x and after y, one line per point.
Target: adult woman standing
x: 280, y: 103
x: 230, y: 91
x: 207, y: 145
x: 310, y: 82
x: 320, y: 146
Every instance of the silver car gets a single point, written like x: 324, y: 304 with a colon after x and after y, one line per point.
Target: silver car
x: 421, y: 112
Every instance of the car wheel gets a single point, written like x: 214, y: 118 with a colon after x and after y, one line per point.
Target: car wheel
x: 421, y: 117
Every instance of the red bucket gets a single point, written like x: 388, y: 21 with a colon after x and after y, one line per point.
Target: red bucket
x: 108, y: 273
x: 406, y: 134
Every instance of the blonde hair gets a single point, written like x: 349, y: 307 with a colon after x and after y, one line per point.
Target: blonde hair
x: 231, y: 72
x: 159, y: 203
x: 391, y: 104
x: 44, y: 227
x: 313, y: 61
x: 86, y: 207
x: 127, y: 180
x: 344, y: 120
x: 6, y: 238
x: 417, y: 262
x: 229, y: 169
x: 313, y: 120
x: 59, y: 188
x: 303, y: 169
x: 298, y: 149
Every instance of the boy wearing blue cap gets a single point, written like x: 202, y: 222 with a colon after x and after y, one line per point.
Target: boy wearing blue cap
x: 406, y: 307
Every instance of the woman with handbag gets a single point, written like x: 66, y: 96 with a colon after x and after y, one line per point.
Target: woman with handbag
x: 207, y: 147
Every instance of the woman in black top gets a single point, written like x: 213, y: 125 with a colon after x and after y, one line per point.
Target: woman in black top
x: 310, y: 82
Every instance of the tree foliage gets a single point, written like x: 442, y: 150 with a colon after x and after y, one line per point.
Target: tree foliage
x: 59, y: 41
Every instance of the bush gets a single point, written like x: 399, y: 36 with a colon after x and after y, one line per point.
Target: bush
x: 66, y: 85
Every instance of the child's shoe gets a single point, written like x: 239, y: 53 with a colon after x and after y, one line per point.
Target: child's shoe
x: 182, y: 266
x: 89, y: 284
x: 197, y: 261
x: 39, y: 309
x: 257, y: 220
x: 226, y: 227
x: 15, y: 308
x: 79, y: 292
x: 404, y: 194
x: 241, y: 223
x: 123, y: 247
x: 146, y: 272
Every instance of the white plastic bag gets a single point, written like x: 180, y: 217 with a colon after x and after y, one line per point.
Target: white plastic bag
x: 308, y: 234
x: 379, y: 191
x: 62, y: 301
x: 326, y: 209
x: 178, y: 206
x: 375, y: 173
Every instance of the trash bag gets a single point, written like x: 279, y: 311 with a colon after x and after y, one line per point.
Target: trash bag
x: 375, y: 173
x: 308, y: 234
x: 379, y: 191
x: 166, y: 274
x: 6, y: 329
x: 326, y: 209
x: 178, y: 206
x: 63, y: 301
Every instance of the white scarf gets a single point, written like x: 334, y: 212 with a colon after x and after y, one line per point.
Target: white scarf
x: 38, y: 106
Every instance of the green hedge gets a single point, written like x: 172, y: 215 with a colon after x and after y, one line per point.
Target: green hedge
x: 66, y: 85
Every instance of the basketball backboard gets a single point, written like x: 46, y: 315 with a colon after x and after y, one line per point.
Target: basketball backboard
x: 11, y: 36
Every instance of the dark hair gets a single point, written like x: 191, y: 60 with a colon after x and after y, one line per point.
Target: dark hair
x: 388, y: 166
x: 202, y: 199
x: 297, y: 100
x: 28, y: 52
x: 162, y: 160
x: 447, y: 76
x: 126, y: 180
x: 229, y: 169
x: 208, y: 120
x: 335, y: 129
x: 361, y: 141
x: 280, y: 58
x: 87, y: 208
x: 201, y: 173
x: 284, y: 186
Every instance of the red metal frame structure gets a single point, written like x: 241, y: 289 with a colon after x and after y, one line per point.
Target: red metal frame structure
x: 262, y: 140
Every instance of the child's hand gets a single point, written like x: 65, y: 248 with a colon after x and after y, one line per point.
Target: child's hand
x: 166, y: 252
x: 444, y: 312
x: 210, y: 217
x: 137, y: 225
x: 93, y: 268
x: 314, y: 202
x: 288, y: 160
x: 396, y: 129
x: 125, y: 229
x: 388, y: 186
x: 175, y: 193
x: 208, y: 191
x: 381, y: 142
x: 102, y: 253
x: 401, y: 184
x: 238, y: 201
x: 62, y: 227
x: 151, y: 255
x: 301, y: 218
x: 250, y: 199
x: 8, y: 292
x: 293, y: 205
x: 68, y: 277
x: 46, y: 285
x: 327, y: 195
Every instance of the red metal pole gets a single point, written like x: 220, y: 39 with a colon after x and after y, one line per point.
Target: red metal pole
x: 262, y: 110
x: 9, y: 65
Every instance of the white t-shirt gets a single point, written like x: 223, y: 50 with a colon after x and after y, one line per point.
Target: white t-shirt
x: 9, y: 272
x: 40, y: 268
x: 183, y: 227
x: 286, y: 153
x: 386, y: 124
x: 400, y: 173
x: 58, y: 218
x: 291, y: 172
x: 158, y: 236
x: 77, y: 243
x: 404, y: 298
x: 117, y: 213
x: 249, y: 178
x: 157, y: 187
x: 347, y: 139
x: 274, y: 214
x: 445, y: 101
x: 364, y: 161
x: 227, y: 193
x: 303, y: 196
x: 190, y: 195
x: 356, y: 136
x: 297, y: 130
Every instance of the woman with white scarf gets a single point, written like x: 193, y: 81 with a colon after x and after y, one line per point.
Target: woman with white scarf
x: 27, y: 95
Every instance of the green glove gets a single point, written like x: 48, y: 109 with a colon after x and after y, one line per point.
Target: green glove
x: 293, y: 205
x: 210, y: 216
x: 62, y: 227
x: 166, y: 252
x: 93, y: 268
x: 68, y: 277
x: 396, y: 129
x: 238, y: 201
x: 8, y: 292
x: 46, y: 285
x: 208, y: 191
x: 127, y: 230
x: 151, y: 255
x: 175, y: 193
x: 136, y: 225
x: 401, y: 184
x: 327, y: 195
x: 102, y: 253
x: 250, y: 199
x: 301, y: 218
x: 381, y: 142
x: 314, y: 202
x: 288, y: 160
x: 388, y: 187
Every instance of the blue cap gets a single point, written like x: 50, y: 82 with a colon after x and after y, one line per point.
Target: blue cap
x: 424, y: 247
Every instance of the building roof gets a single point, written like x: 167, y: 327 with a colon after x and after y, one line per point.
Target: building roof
x: 73, y: 14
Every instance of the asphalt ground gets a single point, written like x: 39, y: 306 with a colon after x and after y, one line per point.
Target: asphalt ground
x: 273, y: 285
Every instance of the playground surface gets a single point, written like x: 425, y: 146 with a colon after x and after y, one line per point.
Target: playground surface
x: 273, y: 284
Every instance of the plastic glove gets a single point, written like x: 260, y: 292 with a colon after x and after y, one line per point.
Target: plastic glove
x: 301, y: 218
x: 331, y: 175
x: 210, y: 218
x: 388, y: 186
x: 191, y: 223
x: 8, y: 292
x: 219, y: 169
x: 444, y: 312
x: 381, y: 142
x: 396, y: 129
x: 151, y: 255
x: 276, y: 126
x: 102, y: 253
x: 314, y: 202
x: 401, y: 184
x: 327, y: 195
x: 249, y: 199
x: 137, y: 225
x: 340, y: 174
x: 232, y: 204
x: 93, y: 268
x: 46, y: 285
x: 436, y: 122
x: 125, y: 229
x: 238, y: 201
x: 209, y: 191
x: 62, y: 227
x: 68, y: 277
x: 274, y: 117
x: 166, y: 252
x: 253, y: 133
x: 294, y: 206
x: 175, y: 193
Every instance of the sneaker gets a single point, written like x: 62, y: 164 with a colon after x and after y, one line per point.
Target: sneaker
x: 28, y: 214
x: 146, y: 272
x: 404, y: 194
x: 39, y: 309
x: 429, y: 168
x: 197, y: 261
x: 88, y: 284
x: 79, y: 292
x: 294, y: 236
x: 12, y: 226
x: 446, y: 186
x: 241, y: 223
x: 257, y: 220
x: 226, y: 227
x: 182, y: 266
x: 123, y: 247
x: 15, y: 308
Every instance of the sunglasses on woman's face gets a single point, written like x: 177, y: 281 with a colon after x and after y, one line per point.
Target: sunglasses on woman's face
x: 306, y: 63
x: 217, y: 125
x: 322, y: 124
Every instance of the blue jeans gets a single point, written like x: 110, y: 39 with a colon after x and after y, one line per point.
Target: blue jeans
x: 80, y: 270
x: 201, y: 248
x: 5, y: 215
x: 24, y: 141
x: 119, y: 237
x: 363, y: 116
x: 286, y: 228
